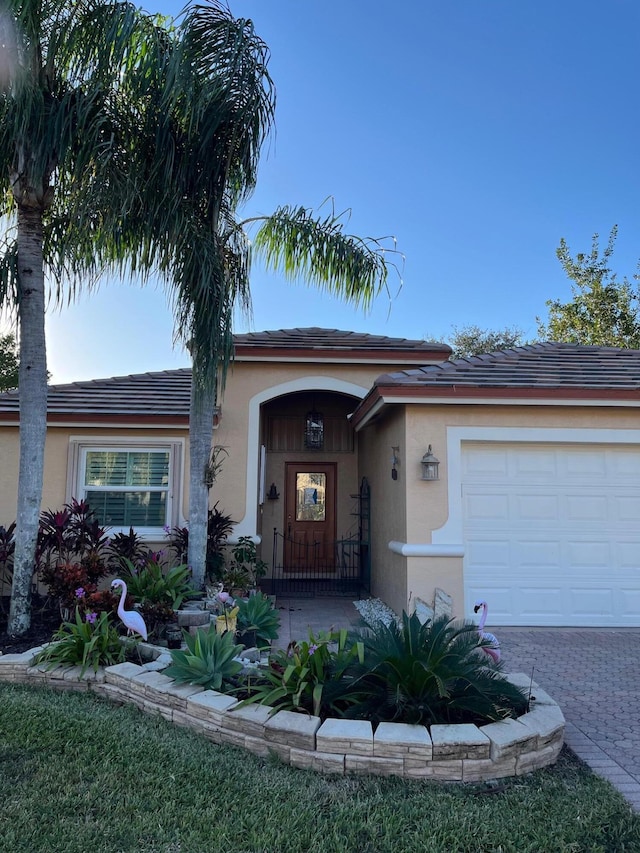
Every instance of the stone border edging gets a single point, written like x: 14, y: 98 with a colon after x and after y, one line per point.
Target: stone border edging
x: 462, y: 752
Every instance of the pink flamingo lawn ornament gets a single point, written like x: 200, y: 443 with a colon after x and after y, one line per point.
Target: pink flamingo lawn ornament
x: 131, y: 618
x: 494, y: 650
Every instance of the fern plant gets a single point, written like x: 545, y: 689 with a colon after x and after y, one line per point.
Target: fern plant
x: 207, y: 661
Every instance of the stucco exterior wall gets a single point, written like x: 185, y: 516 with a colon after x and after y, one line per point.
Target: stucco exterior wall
x: 388, y: 505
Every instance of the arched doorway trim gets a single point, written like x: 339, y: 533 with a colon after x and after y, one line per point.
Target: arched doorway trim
x: 247, y: 527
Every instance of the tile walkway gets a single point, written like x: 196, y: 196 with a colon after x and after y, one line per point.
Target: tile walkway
x: 594, y: 674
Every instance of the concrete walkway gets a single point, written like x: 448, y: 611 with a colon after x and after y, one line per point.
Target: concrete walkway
x: 593, y: 673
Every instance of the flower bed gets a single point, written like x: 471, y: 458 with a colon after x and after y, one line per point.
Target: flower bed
x: 463, y: 752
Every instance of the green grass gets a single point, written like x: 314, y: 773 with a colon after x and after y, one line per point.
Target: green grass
x: 78, y: 774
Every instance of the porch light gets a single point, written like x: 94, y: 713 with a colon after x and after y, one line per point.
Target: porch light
x: 430, y: 466
x: 314, y: 430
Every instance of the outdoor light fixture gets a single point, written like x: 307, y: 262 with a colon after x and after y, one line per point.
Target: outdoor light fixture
x: 314, y: 430
x: 273, y: 494
x: 394, y: 461
x: 430, y: 466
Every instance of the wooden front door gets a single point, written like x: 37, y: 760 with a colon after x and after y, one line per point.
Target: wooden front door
x: 310, y: 517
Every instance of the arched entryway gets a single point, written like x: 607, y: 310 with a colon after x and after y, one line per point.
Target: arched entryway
x: 313, y: 520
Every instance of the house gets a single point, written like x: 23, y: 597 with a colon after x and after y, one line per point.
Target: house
x: 534, y: 504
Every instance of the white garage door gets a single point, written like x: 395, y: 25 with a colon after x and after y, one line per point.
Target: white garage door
x: 552, y: 533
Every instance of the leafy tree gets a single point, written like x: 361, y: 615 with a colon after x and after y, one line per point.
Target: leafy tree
x: 603, y: 311
x: 8, y: 362
x: 472, y: 340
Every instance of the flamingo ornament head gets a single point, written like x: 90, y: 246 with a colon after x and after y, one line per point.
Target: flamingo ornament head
x: 492, y: 651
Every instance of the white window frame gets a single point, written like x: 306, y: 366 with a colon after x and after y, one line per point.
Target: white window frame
x: 79, y: 446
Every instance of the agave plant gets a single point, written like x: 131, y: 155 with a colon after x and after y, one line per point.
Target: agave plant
x: 207, y: 661
x: 431, y: 673
x: 256, y: 613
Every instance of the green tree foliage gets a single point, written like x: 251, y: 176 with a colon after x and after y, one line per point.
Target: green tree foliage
x: 603, y: 311
x: 472, y: 340
x: 9, y: 362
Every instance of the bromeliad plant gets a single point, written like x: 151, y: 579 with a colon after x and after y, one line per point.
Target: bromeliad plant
x: 311, y: 676
x: 208, y: 660
x: 431, y: 673
x: 91, y: 640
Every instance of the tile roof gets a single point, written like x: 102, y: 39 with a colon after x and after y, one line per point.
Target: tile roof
x: 316, y: 338
x: 537, y: 366
x: 163, y: 395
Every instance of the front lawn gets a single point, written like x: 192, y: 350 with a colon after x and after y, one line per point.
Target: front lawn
x: 79, y: 774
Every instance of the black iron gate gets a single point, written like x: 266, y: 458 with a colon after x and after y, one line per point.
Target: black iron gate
x: 346, y: 571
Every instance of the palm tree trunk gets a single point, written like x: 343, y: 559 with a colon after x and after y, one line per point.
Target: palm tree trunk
x: 33, y: 412
x: 203, y: 401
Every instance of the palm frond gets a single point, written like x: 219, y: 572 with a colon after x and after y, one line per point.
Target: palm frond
x: 316, y: 249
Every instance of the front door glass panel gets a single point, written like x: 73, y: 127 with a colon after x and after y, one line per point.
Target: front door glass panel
x: 311, y: 491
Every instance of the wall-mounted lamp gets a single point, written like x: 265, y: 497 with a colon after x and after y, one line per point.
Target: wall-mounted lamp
x: 273, y: 494
x: 430, y: 466
x: 395, y: 459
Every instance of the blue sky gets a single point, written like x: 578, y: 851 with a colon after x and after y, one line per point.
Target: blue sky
x: 477, y: 132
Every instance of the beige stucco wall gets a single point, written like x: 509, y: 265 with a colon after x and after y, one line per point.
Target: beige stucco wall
x: 388, y: 505
x: 399, y: 580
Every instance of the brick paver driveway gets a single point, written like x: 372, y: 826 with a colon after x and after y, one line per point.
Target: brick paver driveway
x: 594, y: 674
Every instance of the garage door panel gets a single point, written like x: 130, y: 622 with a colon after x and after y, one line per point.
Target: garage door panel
x: 552, y: 533
x: 624, y: 465
x: 490, y: 552
x: 626, y: 507
x: 483, y: 507
x: 478, y: 462
x: 586, y: 508
x: 535, y: 465
x: 585, y: 555
x: 535, y: 508
x: 629, y: 602
x: 628, y: 558
x: 592, y: 603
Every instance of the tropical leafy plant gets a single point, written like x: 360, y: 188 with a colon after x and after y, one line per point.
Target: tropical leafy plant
x: 219, y: 526
x: 207, y: 661
x: 152, y: 584
x: 90, y: 640
x: 311, y: 676
x: 256, y: 613
x: 130, y: 546
x: 245, y: 568
x: 431, y: 673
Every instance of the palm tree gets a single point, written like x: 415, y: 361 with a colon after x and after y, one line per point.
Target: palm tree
x: 216, y: 115
x: 68, y: 74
